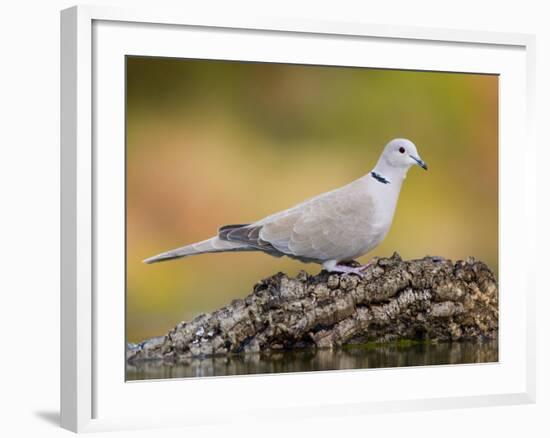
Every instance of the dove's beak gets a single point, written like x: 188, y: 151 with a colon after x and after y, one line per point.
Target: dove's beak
x: 419, y: 162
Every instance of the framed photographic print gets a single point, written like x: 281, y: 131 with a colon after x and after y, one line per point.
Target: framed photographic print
x: 323, y: 212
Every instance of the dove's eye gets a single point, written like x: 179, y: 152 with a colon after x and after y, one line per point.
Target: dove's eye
x: 402, y: 149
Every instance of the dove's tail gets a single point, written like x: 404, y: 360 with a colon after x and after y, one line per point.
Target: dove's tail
x: 215, y: 244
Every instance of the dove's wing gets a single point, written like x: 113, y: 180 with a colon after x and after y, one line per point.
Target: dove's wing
x: 337, y: 225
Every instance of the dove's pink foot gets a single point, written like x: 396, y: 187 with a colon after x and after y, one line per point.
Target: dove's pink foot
x: 357, y: 270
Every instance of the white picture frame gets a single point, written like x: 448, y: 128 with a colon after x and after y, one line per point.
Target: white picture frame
x: 93, y: 397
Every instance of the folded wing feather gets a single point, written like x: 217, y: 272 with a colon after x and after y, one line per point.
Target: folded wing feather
x: 331, y: 226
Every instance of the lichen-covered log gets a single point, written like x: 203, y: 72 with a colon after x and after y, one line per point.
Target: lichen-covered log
x: 432, y: 298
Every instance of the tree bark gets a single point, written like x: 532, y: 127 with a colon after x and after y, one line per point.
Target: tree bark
x: 431, y: 298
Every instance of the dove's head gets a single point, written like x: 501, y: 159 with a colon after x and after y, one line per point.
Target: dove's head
x: 402, y: 153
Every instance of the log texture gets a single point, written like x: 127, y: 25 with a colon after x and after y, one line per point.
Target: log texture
x: 430, y: 299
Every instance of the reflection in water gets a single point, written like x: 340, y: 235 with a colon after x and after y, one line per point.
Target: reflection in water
x: 351, y: 357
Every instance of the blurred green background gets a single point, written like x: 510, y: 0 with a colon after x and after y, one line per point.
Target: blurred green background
x: 213, y: 142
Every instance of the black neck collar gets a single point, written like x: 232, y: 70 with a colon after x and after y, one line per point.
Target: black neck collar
x: 379, y: 178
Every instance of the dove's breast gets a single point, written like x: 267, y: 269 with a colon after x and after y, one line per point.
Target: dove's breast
x: 376, y: 207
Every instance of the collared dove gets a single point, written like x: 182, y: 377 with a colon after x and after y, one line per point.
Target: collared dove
x: 330, y: 229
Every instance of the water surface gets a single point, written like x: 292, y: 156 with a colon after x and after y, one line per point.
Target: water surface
x: 350, y: 357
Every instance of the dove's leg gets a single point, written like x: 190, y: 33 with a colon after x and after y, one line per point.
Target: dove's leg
x: 336, y: 267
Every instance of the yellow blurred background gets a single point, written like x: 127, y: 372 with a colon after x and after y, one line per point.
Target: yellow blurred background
x: 213, y: 142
